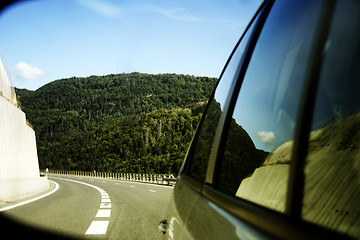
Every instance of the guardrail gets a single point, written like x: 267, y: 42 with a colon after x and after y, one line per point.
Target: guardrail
x: 161, y: 179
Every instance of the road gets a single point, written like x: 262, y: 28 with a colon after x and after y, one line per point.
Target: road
x: 97, y: 208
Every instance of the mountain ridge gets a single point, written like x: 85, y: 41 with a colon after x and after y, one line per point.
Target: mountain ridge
x: 151, y: 119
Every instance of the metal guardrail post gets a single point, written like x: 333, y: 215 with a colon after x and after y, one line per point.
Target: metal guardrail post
x: 161, y: 179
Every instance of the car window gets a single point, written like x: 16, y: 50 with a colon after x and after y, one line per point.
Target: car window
x: 257, y: 154
x: 198, y: 165
x: 332, y: 170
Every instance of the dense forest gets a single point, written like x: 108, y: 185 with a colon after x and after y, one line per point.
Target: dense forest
x: 132, y: 122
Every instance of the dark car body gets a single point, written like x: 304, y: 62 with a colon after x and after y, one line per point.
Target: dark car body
x: 276, y: 154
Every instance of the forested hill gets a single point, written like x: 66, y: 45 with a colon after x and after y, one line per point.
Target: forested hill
x: 125, y: 123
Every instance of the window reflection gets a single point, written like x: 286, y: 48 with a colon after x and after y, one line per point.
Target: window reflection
x: 198, y: 165
x: 332, y: 171
x: 257, y: 153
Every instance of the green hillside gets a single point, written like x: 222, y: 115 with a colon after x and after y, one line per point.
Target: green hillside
x: 122, y: 123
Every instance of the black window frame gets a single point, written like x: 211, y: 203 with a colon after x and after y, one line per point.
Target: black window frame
x: 288, y: 225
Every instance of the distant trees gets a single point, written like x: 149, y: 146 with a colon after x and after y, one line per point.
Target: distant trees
x: 125, y: 123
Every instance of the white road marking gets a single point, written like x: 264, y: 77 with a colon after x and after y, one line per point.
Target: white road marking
x: 97, y: 227
x: 103, y: 213
x: 152, y: 190
x: 32, y: 200
x: 132, y: 186
x: 105, y: 205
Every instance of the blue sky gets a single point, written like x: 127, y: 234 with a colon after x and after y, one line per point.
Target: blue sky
x: 42, y: 41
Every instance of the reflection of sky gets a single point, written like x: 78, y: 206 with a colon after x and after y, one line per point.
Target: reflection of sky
x: 268, y: 101
x: 254, y: 113
x: 222, y: 91
x: 259, y: 109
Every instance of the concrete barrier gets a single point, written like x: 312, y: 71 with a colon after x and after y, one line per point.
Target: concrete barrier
x: 19, y: 167
x: 12, y: 190
x: 18, y: 155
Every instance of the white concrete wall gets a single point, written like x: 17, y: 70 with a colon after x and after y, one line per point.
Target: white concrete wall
x: 13, y: 190
x: 18, y: 154
x: 5, y: 87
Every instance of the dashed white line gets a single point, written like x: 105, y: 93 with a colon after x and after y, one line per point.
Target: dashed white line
x: 103, y: 213
x: 150, y: 190
x: 105, y: 205
x: 97, y: 227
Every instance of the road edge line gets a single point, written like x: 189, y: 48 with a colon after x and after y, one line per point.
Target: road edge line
x: 33, y: 199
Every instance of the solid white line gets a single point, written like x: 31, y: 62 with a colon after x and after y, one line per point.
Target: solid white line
x: 97, y: 227
x: 87, y: 184
x: 103, y: 213
x: 32, y: 200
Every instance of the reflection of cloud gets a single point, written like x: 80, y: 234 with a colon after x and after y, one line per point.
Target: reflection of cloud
x: 266, y: 137
x: 103, y: 8
x: 27, y: 71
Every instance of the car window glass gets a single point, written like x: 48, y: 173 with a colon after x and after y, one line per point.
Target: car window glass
x: 198, y: 166
x: 256, y: 159
x: 332, y: 170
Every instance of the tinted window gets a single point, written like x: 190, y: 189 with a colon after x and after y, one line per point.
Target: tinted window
x: 332, y: 171
x: 201, y: 152
x: 257, y: 155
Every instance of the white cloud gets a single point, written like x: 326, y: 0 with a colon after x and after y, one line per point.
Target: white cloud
x: 101, y: 7
x: 181, y: 14
x: 266, y: 137
x: 176, y: 14
x: 27, y: 71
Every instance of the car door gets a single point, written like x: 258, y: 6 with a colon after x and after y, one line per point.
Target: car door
x: 248, y: 173
x: 253, y: 130
x: 192, y: 175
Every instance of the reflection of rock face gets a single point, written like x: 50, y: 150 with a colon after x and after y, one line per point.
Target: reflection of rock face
x: 266, y: 187
x: 332, y: 193
x: 268, y: 184
x: 281, y: 155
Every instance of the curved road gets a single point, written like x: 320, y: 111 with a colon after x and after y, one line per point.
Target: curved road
x: 114, y: 209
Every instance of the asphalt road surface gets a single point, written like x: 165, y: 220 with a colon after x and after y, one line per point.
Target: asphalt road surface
x: 94, y: 208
